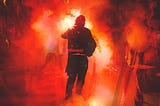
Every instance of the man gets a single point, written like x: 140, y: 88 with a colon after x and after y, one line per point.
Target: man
x: 79, y: 39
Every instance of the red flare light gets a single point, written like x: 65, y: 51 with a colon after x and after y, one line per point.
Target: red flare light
x: 68, y: 21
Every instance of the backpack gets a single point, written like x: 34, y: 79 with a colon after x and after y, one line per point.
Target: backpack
x: 83, y: 37
x: 90, y: 47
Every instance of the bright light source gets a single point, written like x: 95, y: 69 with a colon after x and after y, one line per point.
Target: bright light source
x: 4, y: 2
x: 66, y: 23
x: 75, y: 12
x: 69, y: 20
x: 96, y: 102
x: 93, y: 103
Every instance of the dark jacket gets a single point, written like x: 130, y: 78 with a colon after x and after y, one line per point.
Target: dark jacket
x: 78, y: 38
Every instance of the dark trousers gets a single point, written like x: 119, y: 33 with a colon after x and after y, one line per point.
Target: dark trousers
x: 76, y: 68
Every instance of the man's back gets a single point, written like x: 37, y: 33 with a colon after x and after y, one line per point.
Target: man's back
x: 80, y: 38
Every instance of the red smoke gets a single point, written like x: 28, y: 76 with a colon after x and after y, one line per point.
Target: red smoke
x: 36, y: 48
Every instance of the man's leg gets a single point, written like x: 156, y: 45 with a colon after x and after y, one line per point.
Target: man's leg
x: 69, y: 86
x: 80, y: 81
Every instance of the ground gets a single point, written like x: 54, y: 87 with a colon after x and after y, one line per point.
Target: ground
x: 45, y: 86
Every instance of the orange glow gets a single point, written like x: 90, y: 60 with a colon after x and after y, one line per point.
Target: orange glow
x: 44, y: 25
x: 35, y: 61
x: 102, y: 97
x: 136, y: 34
x: 49, y: 35
x: 4, y: 2
x: 69, y: 20
x: 102, y: 54
x: 94, y: 103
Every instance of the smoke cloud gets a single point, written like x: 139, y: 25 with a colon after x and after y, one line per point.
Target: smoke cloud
x: 31, y: 44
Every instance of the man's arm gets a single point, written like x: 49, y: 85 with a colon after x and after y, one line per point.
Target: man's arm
x: 66, y: 34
